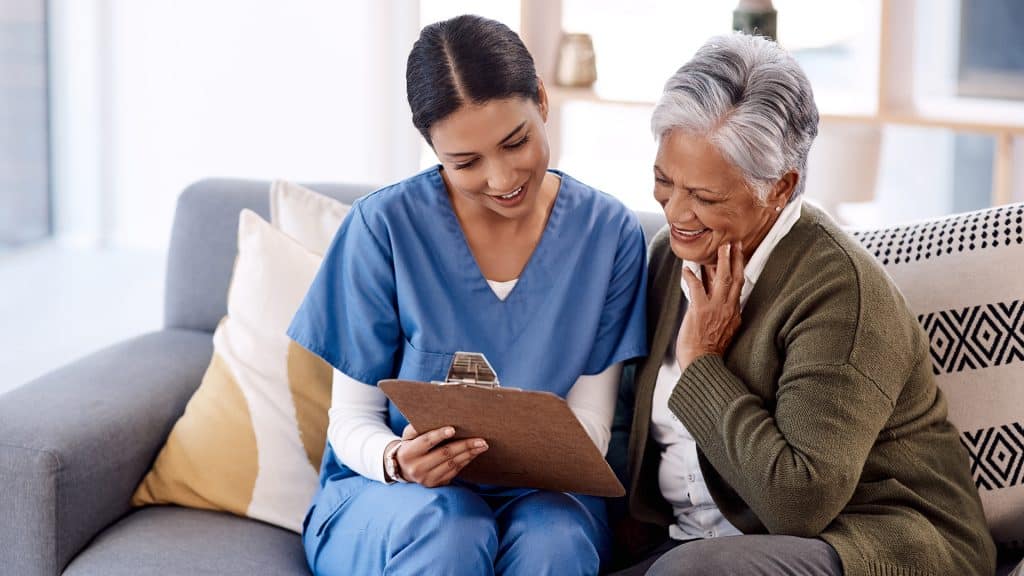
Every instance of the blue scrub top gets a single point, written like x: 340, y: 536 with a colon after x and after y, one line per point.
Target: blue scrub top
x: 399, y: 292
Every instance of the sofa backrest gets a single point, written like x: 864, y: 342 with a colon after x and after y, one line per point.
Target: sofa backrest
x: 204, y: 244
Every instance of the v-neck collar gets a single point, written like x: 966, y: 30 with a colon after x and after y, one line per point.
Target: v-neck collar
x: 535, y: 275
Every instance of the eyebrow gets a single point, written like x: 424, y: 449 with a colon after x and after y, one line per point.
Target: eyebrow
x: 503, y: 141
x: 661, y: 173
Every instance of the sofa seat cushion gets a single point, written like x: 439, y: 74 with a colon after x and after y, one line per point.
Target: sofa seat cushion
x: 173, y: 540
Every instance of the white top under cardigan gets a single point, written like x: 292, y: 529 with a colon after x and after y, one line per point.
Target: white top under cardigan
x: 679, y: 475
x: 359, y: 433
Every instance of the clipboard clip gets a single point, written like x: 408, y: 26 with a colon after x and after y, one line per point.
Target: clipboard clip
x: 471, y: 369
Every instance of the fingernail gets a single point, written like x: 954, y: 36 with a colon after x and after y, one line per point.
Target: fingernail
x: 728, y: 249
x: 449, y: 431
x: 480, y: 444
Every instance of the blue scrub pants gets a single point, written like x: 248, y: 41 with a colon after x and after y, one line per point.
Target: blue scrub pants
x: 360, y: 526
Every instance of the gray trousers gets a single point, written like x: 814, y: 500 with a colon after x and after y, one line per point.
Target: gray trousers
x: 755, y: 555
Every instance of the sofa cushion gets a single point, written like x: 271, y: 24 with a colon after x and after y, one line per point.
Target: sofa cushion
x: 963, y: 277
x: 307, y: 216
x: 173, y: 540
x: 252, y: 437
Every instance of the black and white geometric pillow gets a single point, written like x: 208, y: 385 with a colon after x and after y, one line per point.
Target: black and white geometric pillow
x: 963, y: 276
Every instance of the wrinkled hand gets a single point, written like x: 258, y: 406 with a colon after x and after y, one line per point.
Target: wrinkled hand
x: 422, y: 461
x: 712, y: 319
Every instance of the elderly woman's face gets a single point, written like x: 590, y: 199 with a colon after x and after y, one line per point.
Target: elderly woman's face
x: 706, y: 200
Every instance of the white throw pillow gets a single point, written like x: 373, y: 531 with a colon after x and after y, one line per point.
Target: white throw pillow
x: 305, y: 215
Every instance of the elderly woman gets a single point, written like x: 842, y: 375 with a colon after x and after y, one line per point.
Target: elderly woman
x: 786, y: 421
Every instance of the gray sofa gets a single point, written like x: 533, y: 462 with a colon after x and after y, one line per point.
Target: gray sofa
x: 75, y: 443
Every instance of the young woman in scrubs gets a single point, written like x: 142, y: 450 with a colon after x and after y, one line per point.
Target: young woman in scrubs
x: 490, y: 251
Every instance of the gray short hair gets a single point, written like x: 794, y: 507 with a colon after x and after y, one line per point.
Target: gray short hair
x: 752, y: 100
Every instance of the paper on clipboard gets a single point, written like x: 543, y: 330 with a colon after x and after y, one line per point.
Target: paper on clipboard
x: 534, y: 440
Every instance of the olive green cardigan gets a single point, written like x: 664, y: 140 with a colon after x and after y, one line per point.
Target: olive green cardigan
x: 822, y: 419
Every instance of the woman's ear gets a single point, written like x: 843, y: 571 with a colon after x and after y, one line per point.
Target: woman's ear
x: 783, y: 189
x: 542, y: 99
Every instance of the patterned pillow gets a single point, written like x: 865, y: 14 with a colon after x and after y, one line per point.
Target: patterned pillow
x: 964, y: 277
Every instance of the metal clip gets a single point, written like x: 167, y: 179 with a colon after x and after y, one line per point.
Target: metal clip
x: 471, y: 369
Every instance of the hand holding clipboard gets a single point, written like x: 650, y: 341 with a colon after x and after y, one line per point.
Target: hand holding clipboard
x: 534, y: 440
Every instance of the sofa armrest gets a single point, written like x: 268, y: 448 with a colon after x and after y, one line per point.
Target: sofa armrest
x: 75, y: 443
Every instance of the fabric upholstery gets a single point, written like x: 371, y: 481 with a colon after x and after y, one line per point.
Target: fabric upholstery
x: 203, y: 245
x: 651, y: 222
x: 74, y: 443
x: 962, y: 276
x: 172, y: 540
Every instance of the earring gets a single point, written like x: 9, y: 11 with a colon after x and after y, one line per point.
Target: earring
x: 778, y: 208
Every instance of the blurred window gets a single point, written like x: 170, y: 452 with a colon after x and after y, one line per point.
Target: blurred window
x: 991, y: 49
x: 24, y: 124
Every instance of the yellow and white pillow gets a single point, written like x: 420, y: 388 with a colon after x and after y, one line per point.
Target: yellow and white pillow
x: 252, y: 436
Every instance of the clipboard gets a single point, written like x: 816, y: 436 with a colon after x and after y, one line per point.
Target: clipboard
x: 534, y: 440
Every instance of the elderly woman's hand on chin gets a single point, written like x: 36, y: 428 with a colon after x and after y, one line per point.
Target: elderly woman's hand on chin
x: 713, y: 315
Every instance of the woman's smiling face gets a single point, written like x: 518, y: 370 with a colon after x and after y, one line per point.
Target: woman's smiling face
x: 495, y: 154
x: 707, y: 201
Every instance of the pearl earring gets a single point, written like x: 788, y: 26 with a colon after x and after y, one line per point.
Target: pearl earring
x: 778, y: 208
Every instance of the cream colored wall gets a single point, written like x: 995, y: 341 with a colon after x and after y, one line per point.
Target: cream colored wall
x: 153, y: 95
